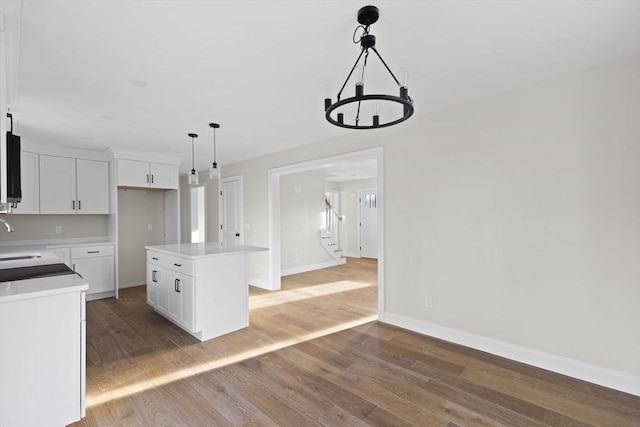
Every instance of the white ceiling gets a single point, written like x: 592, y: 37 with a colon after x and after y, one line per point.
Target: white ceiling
x: 140, y: 75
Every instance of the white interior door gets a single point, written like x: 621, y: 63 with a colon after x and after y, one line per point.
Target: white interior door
x: 368, y: 201
x: 231, y: 218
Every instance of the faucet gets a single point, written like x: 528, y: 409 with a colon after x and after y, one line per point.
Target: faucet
x: 6, y: 223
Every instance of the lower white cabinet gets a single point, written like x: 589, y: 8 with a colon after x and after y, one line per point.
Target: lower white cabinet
x: 171, y: 293
x: 96, y: 265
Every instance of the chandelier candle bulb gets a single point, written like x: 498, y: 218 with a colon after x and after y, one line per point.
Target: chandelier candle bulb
x: 359, y: 89
x: 327, y: 103
x: 376, y: 120
x: 340, y: 118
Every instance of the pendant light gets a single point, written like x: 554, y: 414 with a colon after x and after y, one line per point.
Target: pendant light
x: 214, y: 172
x: 404, y: 109
x: 193, y: 176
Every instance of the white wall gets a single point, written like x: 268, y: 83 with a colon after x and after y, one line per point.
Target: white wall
x: 302, y: 215
x: 525, y: 226
x: 137, y: 208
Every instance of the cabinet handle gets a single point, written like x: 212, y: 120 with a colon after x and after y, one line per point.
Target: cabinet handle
x: 152, y: 178
x: 177, y: 265
x: 147, y: 178
x: 79, y: 204
x: 154, y: 258
x: 93, y: 252
x: 73, y: 205
x: 153, y: 276
x: 177, y: 285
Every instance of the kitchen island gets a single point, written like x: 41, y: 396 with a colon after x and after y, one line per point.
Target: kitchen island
x: 201, y: 287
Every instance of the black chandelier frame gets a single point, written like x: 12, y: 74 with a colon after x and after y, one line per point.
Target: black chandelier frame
x: 367, y: 16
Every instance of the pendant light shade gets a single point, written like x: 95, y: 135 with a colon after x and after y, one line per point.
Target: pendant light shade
x: 214, y: 171
x: 193, y: 176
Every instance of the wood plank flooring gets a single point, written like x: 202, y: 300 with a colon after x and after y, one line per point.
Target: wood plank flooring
x: 314, y: 355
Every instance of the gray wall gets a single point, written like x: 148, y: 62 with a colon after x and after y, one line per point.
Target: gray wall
x: 302, y: 215
x: 518, y: 213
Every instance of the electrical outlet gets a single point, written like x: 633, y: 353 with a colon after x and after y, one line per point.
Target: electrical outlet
x: 58, y: 229
x: 428, y: 301
x: 298, y: 257
x: 149, y: 227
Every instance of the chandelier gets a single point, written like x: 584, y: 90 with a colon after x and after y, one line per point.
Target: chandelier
x: 367, y: 16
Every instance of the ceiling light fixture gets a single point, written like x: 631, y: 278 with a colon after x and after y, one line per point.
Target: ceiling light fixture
x: 193, y: 176
x: 214, y: 172
x: 367, y: 16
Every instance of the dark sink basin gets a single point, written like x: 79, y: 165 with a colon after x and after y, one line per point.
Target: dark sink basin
x: 34, y: 272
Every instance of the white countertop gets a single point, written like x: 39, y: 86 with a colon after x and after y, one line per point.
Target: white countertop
x: 204, y: 250
x: 41, y: 287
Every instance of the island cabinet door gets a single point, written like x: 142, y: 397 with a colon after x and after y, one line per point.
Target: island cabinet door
x: 152, y: 285
x: 174, y: 308
x: 163, y: 288
x: 181, y: 300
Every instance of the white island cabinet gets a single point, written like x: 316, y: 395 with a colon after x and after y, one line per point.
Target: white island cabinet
x: 201, y: 287
x: 42, y: 351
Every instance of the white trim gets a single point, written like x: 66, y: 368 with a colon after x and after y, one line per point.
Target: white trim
x: 254, y: 281
x: 351, y: 254
x: 617, y: 380
x: 274, y: 212
x: 309, y: 267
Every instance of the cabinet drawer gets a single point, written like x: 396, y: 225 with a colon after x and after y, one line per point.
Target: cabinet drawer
x: 174, y: 263
x: 91, y: 251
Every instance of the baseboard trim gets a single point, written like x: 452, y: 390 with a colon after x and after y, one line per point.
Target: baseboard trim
x: 351, y: 254
x: 310, y: 267
x: 264, y: 284
x: 610, y: 378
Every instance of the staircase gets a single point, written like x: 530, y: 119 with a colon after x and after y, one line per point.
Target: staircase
x: 331, y: 235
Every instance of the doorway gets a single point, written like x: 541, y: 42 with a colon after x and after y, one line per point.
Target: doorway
x: 197, y: 213
x: 376, y: 154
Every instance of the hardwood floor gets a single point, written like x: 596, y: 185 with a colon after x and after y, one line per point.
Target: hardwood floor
x: 315, y: 355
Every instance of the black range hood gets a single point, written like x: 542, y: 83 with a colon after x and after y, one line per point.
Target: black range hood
x: 14, y: 185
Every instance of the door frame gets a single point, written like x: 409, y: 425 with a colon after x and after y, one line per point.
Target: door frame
x: 274, y: 282
x: 240, y: 207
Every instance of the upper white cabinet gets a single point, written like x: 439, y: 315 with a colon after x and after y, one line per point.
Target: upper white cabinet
x: 30, y: 203
x: 92, y: 185
x: 69, y: 186
x: 135, y: 173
